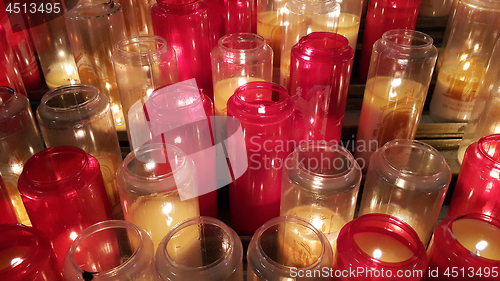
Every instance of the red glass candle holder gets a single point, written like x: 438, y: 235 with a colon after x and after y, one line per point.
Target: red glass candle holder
x: 466, y: 248
x: 377, y: 243
x: 265, y: 111
x: 10, y: 75
x: 8, y: 215
x: 478, y: 185
x: 320, y: 71
x: 63, y: 191
x: 185, y: 26
x: 382, y: 16
x: 238, y: 16
x: 26, y: 254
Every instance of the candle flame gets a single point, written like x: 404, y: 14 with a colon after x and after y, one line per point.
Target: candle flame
x: 377, y: 254
x: 15, y: 260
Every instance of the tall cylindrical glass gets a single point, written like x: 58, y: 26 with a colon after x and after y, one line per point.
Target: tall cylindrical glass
x: 319, y: 80
x: 382, y: 16
x: 142, y: 10
x: 485, y: 116
x: 470, y: 244
x: 185, y: 26
x: 265, y: 111
x: 478, y: 185
x: 301, y: 17
x: 142, y: 64
x: 470, y: 37
x: 269, y: 26
x: 19, y: 140
x: 434, y: 9
x: 349, y: 20
x: 10, y: 75
x: 408, y: 180
x: 399, y: 77
x: 203, y: 249
x: 149, y: 182
x: 111, y: 250
x: 320, y: 184
x: 96, y: 27
x: 379, y: 243
x: 6, y: 208
x: 283, y: 246
x: 63, y: 191
x: 239, y: 58
x: 54, y: 53
x: 216, y: 18
x: 238, y: 16
x: 26, y: 254
x: 79, y: 115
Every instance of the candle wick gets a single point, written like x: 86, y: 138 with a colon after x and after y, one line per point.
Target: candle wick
x: 87, y: 276
x: 477, y: 253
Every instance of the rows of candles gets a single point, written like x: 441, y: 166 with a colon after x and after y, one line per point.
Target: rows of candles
x: 89, y: 215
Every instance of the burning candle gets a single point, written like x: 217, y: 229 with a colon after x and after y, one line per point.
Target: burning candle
x: 61, y: 74
x: 383, y: 247
x: 479, y: 237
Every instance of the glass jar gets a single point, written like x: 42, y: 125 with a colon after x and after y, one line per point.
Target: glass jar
x: 239, y: 58
x: 270, y: 25
x: 383, y: 16
x: 149, y: 181
x: 408, y: 180
x: 349, y: 20
x: 185, y: 26
x: 96, y: 27
x: 26, y: 254
x: 301, y: 17
x: 470, y: 244
x: 265, y: 111
x: 399, y: 77
x: 63, y: 191
x: 376, y: 243
x: 111, y: 250
x: 142, y: 64
x: 79, y: 115
x: 10, y: 75
x: 470, y: 36
x: 485, y: 116
x: 283, y: 246
x: 201, y: 248
x: 478, y: 185
x: 320, y: 184
x: 319, y: 81
x: 19, y: 140
x: 239, y: 16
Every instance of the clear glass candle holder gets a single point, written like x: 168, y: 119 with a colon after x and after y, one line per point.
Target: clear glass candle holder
x: 149, y: 182
x: 320, y: 184
x: 111, y: 250
x: 376, y: 243
x: 301, y: 17
x: 470, y: 37
x: 478, y: 185
x: 349, y: 20
x: 63, y: 191
x: 26, y: 254
x: 408, y: 180
x: 485, y: 116
x: 398, y: 81
x: 239, y: 58
x: 270, y: 25
x: 19, y: 140
x: 265, y: 111
x: 10, y: 74
x: 80, y: 115
x: 6, y: 208
x: 142, y: 64
x: 470, y: 244
x: 319, y: 80
x: 201, y: 248
x: 285, y: 245
x: 96, y: 27
x: 383, y: 16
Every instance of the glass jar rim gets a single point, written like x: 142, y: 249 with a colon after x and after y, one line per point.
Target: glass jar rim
x: 94, y: 98
x: 407, y: 34
x: 340, y: 49
x: 481, y: 146
x: 241, y: 37
x: 102, y: 226
x: 482, y: 4
x: 9, y: 91
x: 194, y: 221
x: 307, y: 6
x: 137, y: 40
x: 195, y: 99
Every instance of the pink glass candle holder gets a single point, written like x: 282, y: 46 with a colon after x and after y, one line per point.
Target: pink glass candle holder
x: 6, y: 208
x: 10, y: 75
x: 19, y: 140
x: 111, y: 250
x: 320, y: 71
x: 63, y: 191
x: 283, y: 246
x: 376, y: 243
x: 265, y: 111
x: 382, y: 16
x: 185, y: 26
x: 238, y: 16
x: 465, y: 248
x: 478, y: 185
x: 26, y: 254
x: 201, y: 248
